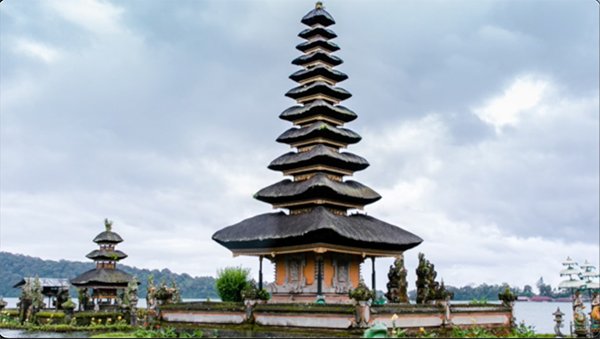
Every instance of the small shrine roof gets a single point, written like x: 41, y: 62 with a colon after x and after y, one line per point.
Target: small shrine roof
x: 320, y: 225
x: 318, y: 107
x: 103, y: 254
x: 44, y: 282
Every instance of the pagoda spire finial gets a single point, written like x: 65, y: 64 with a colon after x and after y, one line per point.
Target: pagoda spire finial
x: 319, y: 5
x: 108, y: 224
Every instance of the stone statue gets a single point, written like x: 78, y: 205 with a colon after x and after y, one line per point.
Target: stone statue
x: 130, y: 300
x: 84, y: 299
x: 595, y: 316
x: 558, y: 319
x: 397, y: 284
x: 422, y: 274
x: 427, y: 288
x: 151, y: 294
x: 579, y: 317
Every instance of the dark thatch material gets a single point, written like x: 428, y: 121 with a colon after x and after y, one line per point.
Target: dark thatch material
x: 319, y: 129
x: 108, y: 237
x: 106, y: 255
x: 274, y: 230
x: 317, y: 55
x: 318, y: 87
x: 327, y: 45
x: 102, y: 277
x: 318, y: 187
x: 318, y: 16
x: 45, y: 282
x: 322, y: 31
x: 319, y: 155
x: 317, y: 107
x: 326, y: 72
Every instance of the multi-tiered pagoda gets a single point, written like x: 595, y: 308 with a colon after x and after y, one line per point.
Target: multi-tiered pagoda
x: 318, y: 245
x: 104, y: 283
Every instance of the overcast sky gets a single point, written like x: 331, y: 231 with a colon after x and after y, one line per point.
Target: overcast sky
x: 479, y: 119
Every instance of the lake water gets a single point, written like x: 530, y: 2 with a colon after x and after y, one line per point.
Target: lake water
x: 537, y: 314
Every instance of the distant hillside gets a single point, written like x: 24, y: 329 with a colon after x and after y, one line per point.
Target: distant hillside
x: 13, y: 267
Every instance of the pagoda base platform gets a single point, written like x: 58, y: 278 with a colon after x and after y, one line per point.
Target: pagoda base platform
x: 314, y: 318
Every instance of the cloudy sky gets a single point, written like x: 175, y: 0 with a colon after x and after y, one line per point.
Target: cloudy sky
x: 479, y: 119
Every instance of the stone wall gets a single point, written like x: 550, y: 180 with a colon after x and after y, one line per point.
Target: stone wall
x: 337, y: 316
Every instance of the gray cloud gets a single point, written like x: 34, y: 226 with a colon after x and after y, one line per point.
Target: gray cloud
x: 163, y: 117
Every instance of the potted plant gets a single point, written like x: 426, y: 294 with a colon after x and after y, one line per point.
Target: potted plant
x: 361, y: 295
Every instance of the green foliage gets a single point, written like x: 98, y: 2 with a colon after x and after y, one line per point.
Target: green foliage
x: 507, y: 296
x: 471, y: 332
x: 16, y: 266
x: 230, y: 283
x: 263, y: 294
x: 361, y: 292
x: 99, y: 318
x: 68, y: 305
x: 251, y: 292
x: 167, y: 332
x: 49, y: 317
x: 482, y: 301
x: 9, y: 317
x: 523, y: 331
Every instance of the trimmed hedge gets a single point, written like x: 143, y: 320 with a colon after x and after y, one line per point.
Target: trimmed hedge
x: 99, y: 318
x: 49, y: 317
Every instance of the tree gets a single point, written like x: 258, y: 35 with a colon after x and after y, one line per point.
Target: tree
x: 527, y: 291
x: 545, y: 290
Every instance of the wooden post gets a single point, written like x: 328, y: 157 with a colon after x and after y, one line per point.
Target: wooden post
x: 373, y: 274
x: 260, y: 275
x: 319, y: 275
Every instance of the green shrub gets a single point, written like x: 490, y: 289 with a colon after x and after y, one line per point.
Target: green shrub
x: 99, y: 318
x: 361, y: 292
x: 263, y: 294
x: 523, y: 331
x: 49, y: 318
x: 230, y: 282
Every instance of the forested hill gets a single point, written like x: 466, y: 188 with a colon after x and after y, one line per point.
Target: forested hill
x: 13, y: 267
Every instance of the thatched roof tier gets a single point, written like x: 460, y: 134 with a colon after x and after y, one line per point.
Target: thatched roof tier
x: 317, y: 31
x: 317, y: 56
x: 103, y: 254
x: 318, y: 16
x: 108, y: 237
x: 319, y: 71
x: 319, y: 129
x: 319, y: 155
x: 317, y: 188
x: 102, y: 277
x: 277, y: 230
x: 315, y: 108
x: 318, y: 87
x: 318, y: 43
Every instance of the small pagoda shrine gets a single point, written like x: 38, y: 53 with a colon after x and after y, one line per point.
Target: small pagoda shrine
x: 319, y: 239
x: 105, y: 283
